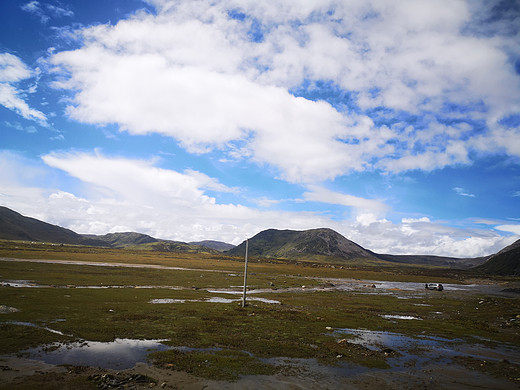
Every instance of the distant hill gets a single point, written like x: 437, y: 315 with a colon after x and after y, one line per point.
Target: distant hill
x: 139, y: 241
x: 505, y: 262
x: 173, y: 246
x: 440, y: 261
x: 217, y: 245
x: 122, y: 240
x: 308, y: 244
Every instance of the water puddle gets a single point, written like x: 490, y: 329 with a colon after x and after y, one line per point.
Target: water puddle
x: 213, y: 300
x: 423, y: 348
x: 31, y: 284
x: 120, y: 354
x: 394, y: 288
x: 20, y: 284
x: 168, y: 300
x: 399, y: 317
x: 4, y: 309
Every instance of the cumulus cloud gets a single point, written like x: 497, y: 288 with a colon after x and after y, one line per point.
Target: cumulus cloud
x: 423, y: 236
x: 12, y: 71
x: 220, y: 75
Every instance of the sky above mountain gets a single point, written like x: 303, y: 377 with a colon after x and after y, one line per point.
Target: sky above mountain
x: 395, y: 123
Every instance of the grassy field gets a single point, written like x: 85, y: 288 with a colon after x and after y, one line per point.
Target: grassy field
x: 226, y: 340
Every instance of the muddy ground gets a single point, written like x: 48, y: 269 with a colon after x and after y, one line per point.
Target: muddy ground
x: 19, y: 373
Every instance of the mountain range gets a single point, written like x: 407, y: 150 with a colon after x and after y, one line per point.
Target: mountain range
x: 14, y: 226
x: 317, y: 245
x: 327, y: 245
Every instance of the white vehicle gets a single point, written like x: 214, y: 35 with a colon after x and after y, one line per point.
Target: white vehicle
x: 433, y: 286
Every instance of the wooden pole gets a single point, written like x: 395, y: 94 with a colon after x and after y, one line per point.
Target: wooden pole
x: 245, y: 277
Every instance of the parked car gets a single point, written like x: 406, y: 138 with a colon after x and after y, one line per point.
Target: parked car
x: 434, y: 286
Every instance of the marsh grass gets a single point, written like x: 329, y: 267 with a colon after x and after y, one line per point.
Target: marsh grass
x: 19, y: 337
x: 220, y: 365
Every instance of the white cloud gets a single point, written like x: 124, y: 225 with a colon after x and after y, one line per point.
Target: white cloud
x: 34, y: 7
x: 135, y: 181
x: 500, y: 138
x: 462, y: 192
x: 13, y: 70
x: 209, y: 183
x: 423, y: 236
x: 46, y: 11
x: 415, y: 220
x: 515, y: 229
x: 266, y: 202
x: 59, y: 11
x: 361, y: 205
x: 205, y: 109
x: 192, y: 72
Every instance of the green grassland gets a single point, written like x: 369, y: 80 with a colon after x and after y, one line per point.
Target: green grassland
x: 240, y: 338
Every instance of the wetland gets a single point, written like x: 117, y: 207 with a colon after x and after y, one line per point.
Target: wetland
x: 70, y: 315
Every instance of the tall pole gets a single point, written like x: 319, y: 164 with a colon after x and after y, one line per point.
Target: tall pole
x: 245, y: 277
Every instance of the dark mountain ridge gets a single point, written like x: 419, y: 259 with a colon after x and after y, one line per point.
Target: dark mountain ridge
x: 505, y: 262
x: 292, y: 244
x: 14, y: 226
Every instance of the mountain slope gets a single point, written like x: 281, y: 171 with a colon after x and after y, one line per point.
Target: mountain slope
x: 308, y: 244
x: 505, y: 262
x: 15, y: 226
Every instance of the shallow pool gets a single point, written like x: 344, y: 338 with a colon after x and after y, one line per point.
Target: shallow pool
x: 120, y: 354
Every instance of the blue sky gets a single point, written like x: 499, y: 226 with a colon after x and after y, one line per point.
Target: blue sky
x: 393, y: 123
